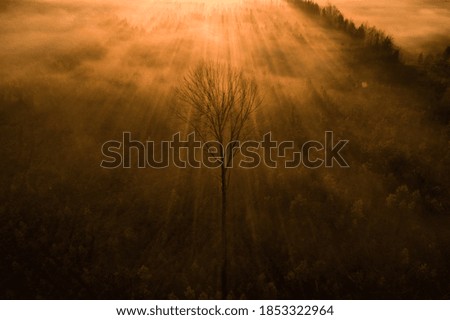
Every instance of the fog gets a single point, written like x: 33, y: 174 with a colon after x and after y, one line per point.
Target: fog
x: 74, y: 74
x: 418, y: 26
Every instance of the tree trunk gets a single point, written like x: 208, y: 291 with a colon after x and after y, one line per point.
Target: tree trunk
x: 224, y: 233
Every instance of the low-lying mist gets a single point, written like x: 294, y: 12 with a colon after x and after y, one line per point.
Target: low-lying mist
x: 74, y: 74
x: 418, y: 26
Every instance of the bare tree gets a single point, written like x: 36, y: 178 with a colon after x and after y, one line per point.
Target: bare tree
x: 221, y: 101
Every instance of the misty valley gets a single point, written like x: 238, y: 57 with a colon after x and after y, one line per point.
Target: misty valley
x: 362, y: 86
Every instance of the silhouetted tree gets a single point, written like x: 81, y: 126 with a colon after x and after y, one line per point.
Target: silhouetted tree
x: 221, y: 100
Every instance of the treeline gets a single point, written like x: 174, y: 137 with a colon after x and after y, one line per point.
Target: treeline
x: 437, y: 69
x: 72, y: 231
x: 431, y: 73
x: 380, y: 44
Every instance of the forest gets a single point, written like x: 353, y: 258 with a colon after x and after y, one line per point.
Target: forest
x: 80, y: 73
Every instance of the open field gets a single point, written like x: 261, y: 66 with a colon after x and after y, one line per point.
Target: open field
x: 79, y: 73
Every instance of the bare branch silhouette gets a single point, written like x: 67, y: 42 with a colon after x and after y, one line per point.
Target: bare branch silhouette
x: 220, y: 100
